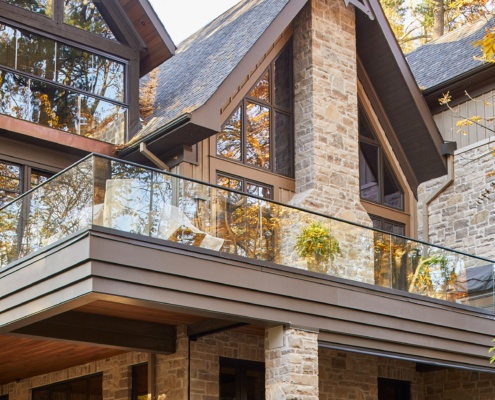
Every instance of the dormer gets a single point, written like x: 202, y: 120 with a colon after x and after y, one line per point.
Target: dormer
x: 73, y: 66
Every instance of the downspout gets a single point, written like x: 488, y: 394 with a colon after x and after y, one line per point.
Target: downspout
x: 448, y: 150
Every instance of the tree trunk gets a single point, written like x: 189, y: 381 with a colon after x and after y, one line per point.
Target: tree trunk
x: 438, y: 18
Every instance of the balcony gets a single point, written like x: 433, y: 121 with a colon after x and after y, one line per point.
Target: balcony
x: 145, y: 202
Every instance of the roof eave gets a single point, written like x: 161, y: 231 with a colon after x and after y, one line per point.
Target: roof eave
x: 401, y: 98
x: 159, y: 46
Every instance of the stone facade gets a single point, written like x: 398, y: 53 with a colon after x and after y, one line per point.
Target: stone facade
x: 296, y: 370
x: 463, y: 217
x: 116, y: 377
x: 292, y: 368
x: 454, y: 384
x: 325, y: 107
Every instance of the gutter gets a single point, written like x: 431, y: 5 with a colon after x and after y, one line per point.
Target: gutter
x: 448, y: 149
x: 163, y: 130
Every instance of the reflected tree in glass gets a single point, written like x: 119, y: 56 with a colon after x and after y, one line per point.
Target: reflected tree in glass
x: 43, y: 7
x: 84, y: 14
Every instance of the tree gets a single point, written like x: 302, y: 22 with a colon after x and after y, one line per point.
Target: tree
x: 418, y: 23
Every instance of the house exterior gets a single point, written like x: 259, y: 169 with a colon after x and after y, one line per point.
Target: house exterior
x: 248, y: 238
x: 460, y: 216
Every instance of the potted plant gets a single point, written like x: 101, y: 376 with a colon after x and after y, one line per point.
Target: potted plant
x: 318, y: 246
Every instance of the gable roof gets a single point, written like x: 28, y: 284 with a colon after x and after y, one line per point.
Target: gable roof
x: 449, y: 56
x: 211, y: 65
x: 204, y: 60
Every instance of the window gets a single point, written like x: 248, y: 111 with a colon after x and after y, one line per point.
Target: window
x: 392, y: 389
x: 43, y: 7
x: 377, y: 180
x: 57, y: 85
x: 140, y: 382
x: 244, y: 185
x: 241, y: 380
x: 260, y: 131
x: 86, y: 388
x: 84, y: 14
x: 393, y: 227
x: 16, y: 179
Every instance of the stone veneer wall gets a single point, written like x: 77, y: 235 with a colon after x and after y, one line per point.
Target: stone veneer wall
x: 325, y: 107
x: 457, y: 218
x: 453, y: 384
x: 171, y: 370
x: 345, y: 376
x: 116, y: 377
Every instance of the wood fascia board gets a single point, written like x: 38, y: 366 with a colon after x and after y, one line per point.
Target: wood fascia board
x: 78, y: 327
x: 157, y: 23
x: 409, y: 80
x: 387, y: 127
x: 334, y: 340
x: 210, y: 114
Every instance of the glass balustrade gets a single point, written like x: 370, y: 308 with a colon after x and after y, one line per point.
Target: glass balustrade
x: 129, y: 198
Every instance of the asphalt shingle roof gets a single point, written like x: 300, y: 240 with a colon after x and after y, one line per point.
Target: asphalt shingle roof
x: 204, y: 60
x: 448, y: 56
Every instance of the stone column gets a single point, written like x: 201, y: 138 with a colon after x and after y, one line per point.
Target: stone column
x: 326, y: 114
x: 291, y: 362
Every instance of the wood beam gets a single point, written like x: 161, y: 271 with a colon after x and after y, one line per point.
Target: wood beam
x: 78, y: 327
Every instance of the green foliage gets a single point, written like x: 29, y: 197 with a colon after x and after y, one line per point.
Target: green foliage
x: 318, y: 246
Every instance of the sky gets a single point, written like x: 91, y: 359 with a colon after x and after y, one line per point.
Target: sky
x: 184, y: 17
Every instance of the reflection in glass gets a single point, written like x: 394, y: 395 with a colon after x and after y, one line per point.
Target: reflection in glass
x: 10, y: 182
x: 39, y: 102
x: 262, y: 89
x: 85, y: 15
x: 368, y: 172
x: 392, y: 194
x: 283, y: 147
x: 283, y: 78
x: 43, y: 7
x: 7, y: 46
x: 152, y: 203
x: 90, y: 72
x: 257, y: 135
x: 229, y: 140
x: 67, y: 65
x: 35, y: 55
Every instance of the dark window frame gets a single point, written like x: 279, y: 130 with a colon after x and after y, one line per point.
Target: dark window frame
x: 273, y: 108
x: 244, y: 183
x: 242, y: 367
x: 87, y: 379
x: 25, y: 175
x: 382, y: 164
x: 400, y: 389
x: 135, y: 371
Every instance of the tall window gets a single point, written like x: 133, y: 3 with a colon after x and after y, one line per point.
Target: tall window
x: 377, y: 180
x: 84, y: 14
x: 86, y: 388
x: 16, y: 179
x: 241, y: 380
x: 260, y: 131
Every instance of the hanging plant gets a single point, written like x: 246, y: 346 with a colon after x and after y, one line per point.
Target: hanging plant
x: 318, y: 246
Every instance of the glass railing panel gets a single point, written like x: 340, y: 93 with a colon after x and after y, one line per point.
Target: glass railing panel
x: 59, y: 108
x: 59, y: 207
x: 143, y: 201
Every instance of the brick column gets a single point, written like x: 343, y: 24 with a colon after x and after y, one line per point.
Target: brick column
x: 291, y: 362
